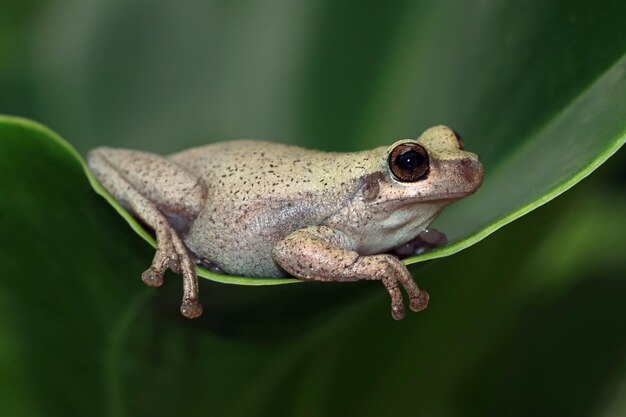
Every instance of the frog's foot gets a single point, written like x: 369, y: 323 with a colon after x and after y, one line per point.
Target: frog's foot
x: 393, y: 273
x: 427, y: 240
x: 190, y: 307
x: 171, y: 253
x: 164, y: 258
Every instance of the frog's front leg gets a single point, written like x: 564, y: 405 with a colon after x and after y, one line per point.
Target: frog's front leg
x: 322, y: 254
x: 154, y: 188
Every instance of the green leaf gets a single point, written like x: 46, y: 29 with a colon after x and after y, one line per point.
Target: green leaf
x: 52, y: 295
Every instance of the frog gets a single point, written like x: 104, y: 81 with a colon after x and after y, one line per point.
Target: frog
x: 263, y: 209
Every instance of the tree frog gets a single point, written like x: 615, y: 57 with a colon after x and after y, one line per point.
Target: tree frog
x: 263, y: 209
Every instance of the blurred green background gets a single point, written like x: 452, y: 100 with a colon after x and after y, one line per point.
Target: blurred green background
x: 528, y: 322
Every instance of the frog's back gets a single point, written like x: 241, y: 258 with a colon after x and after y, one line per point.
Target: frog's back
x: 259, y: 192
x: 246, y: 170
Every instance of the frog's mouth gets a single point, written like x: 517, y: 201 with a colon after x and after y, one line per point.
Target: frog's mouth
x: 437, y: 199
x: 448, y: 198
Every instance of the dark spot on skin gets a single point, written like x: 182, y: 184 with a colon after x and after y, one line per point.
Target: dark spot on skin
x: 370, y: 185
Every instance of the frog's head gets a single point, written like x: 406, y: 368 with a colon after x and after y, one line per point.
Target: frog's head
x: 432, y: 168
x: 418, y: 178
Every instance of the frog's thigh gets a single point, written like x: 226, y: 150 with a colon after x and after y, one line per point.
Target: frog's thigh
x: 163, y: 182
x: 131, y: 177
x: 322, y: 254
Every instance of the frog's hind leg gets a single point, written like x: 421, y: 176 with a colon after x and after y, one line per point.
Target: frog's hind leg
x: 153, y: 188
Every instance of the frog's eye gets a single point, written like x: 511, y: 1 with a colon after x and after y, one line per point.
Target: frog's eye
x: 459, y: 139
x: 409, y: 162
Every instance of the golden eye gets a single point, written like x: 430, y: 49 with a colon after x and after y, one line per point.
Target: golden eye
x: 409, y: 162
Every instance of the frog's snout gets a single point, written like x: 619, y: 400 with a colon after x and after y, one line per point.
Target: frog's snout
x: 471, y: 170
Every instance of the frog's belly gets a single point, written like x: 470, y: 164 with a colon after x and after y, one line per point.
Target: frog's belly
x: 392, y: 230
x: 237, y: 254
x: 241, y: 241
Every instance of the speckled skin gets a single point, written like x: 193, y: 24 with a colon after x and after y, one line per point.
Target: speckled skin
x: 262, y: 209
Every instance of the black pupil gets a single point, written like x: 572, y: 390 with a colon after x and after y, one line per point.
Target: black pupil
x: 409, y: 160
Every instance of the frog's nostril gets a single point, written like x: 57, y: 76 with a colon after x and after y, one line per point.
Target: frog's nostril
x: 471, y: 170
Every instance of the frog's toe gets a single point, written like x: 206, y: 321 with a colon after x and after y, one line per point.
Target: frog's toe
x: 152, y: 278
x: 191, y: 308
x: 419, y: 302
x: 397, y: 311
x: 174, y: 264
